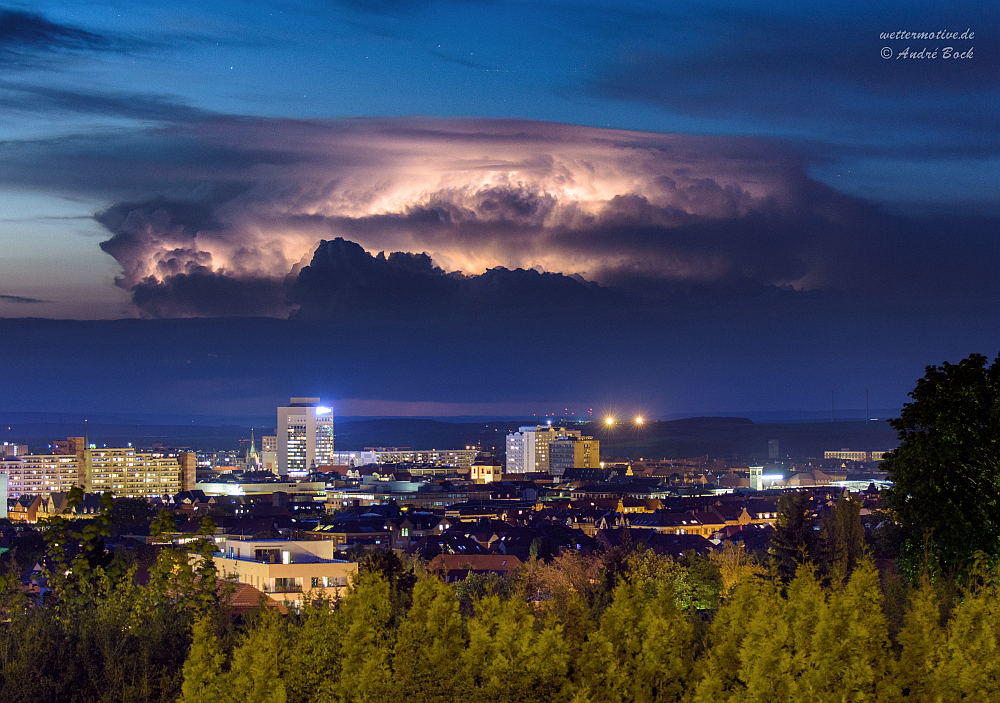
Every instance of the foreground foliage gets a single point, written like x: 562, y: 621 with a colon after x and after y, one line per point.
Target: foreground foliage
x: 946, y: 470
x: 628, y: 626
x: 810, y: 639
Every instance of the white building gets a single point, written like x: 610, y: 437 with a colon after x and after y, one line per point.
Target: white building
x: 285, y: 569
x: 304, y: 436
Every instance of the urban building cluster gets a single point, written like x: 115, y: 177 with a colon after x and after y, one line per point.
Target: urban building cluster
x: 286, y: 515
x: 125, y: 471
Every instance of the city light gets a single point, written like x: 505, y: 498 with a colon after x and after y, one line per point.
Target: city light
x: 321, y: 410
x: 638, y: 420
x: 609, y: 421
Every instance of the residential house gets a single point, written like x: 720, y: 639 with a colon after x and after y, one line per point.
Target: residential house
x: 286, y: 569
x: 457, y: 567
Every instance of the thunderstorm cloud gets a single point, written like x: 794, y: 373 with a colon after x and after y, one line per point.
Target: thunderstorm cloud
x: 636, y: 211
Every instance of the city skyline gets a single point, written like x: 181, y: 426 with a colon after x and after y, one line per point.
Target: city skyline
x: 462, y: 208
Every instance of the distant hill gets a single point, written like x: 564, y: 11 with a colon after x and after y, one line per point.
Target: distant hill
x: 689, y: 437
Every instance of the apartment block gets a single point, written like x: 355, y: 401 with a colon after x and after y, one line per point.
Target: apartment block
x: 35, y: 474
x: 131, y: 474
x: 286, y: 569
x: 460, y: 459
x: 574, y: 453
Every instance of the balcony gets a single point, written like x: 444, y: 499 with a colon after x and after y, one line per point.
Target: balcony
x: 283, y: 588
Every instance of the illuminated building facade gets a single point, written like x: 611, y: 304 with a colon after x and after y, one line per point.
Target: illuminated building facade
x: 354, y: 459
x: 848, y: 455
x: 486, y: 469
x: 131, y: 474
x: 460, y: 459
x: 286, y: 569
x: 304, y: 436
x: 574, y: 453
x: 35, y: 474
x: 528, y: 448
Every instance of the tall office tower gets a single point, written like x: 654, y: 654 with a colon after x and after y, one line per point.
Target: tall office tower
x: 305, y: 436
x: 528, y: 449
x: 772, y: 449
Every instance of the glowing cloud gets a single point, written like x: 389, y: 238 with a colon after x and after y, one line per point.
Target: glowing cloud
x: 608, y: 205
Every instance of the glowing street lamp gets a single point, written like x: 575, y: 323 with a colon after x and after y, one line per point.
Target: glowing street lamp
x: 638, y: 420
x: 609, y: 421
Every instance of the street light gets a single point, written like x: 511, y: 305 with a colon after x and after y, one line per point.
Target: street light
x: 609, y: 421
x: 638, y: 420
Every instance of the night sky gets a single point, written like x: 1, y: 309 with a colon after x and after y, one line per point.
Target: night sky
x: 486, y: 208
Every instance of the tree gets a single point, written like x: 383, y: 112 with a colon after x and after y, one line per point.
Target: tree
x: 177, y: 577
x: 430, y: 642
x: 78, y: 564
x: 841, y: 543
x: 850, y: 659
x: 735, y: 565
x: 253, y: 676
x: 946, y: 470
x: 642, y: 650
x: 400, y: 575
x: 510, y: 660
x: 366, y: 643
x: 310, y: 666
x: 203, y: 667
x: 922, y: 647
x: 792, y: 541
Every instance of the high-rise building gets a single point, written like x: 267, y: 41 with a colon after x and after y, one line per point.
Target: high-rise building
x: 574, y: 453
x: 528, y: 448
x: 304, y: 436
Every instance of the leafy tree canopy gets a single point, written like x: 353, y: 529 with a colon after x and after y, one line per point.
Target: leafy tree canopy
x: 946, y: 470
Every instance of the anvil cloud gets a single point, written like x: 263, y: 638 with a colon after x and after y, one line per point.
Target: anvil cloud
x: 227, y: 234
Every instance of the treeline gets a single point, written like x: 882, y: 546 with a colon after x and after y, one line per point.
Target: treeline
x: 767, y: 641
x: 628, y: 625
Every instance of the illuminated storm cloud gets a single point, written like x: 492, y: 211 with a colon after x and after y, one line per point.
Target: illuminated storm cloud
x: 611, y: 206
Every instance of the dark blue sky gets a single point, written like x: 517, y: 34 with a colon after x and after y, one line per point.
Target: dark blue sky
x: 721, y: 206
